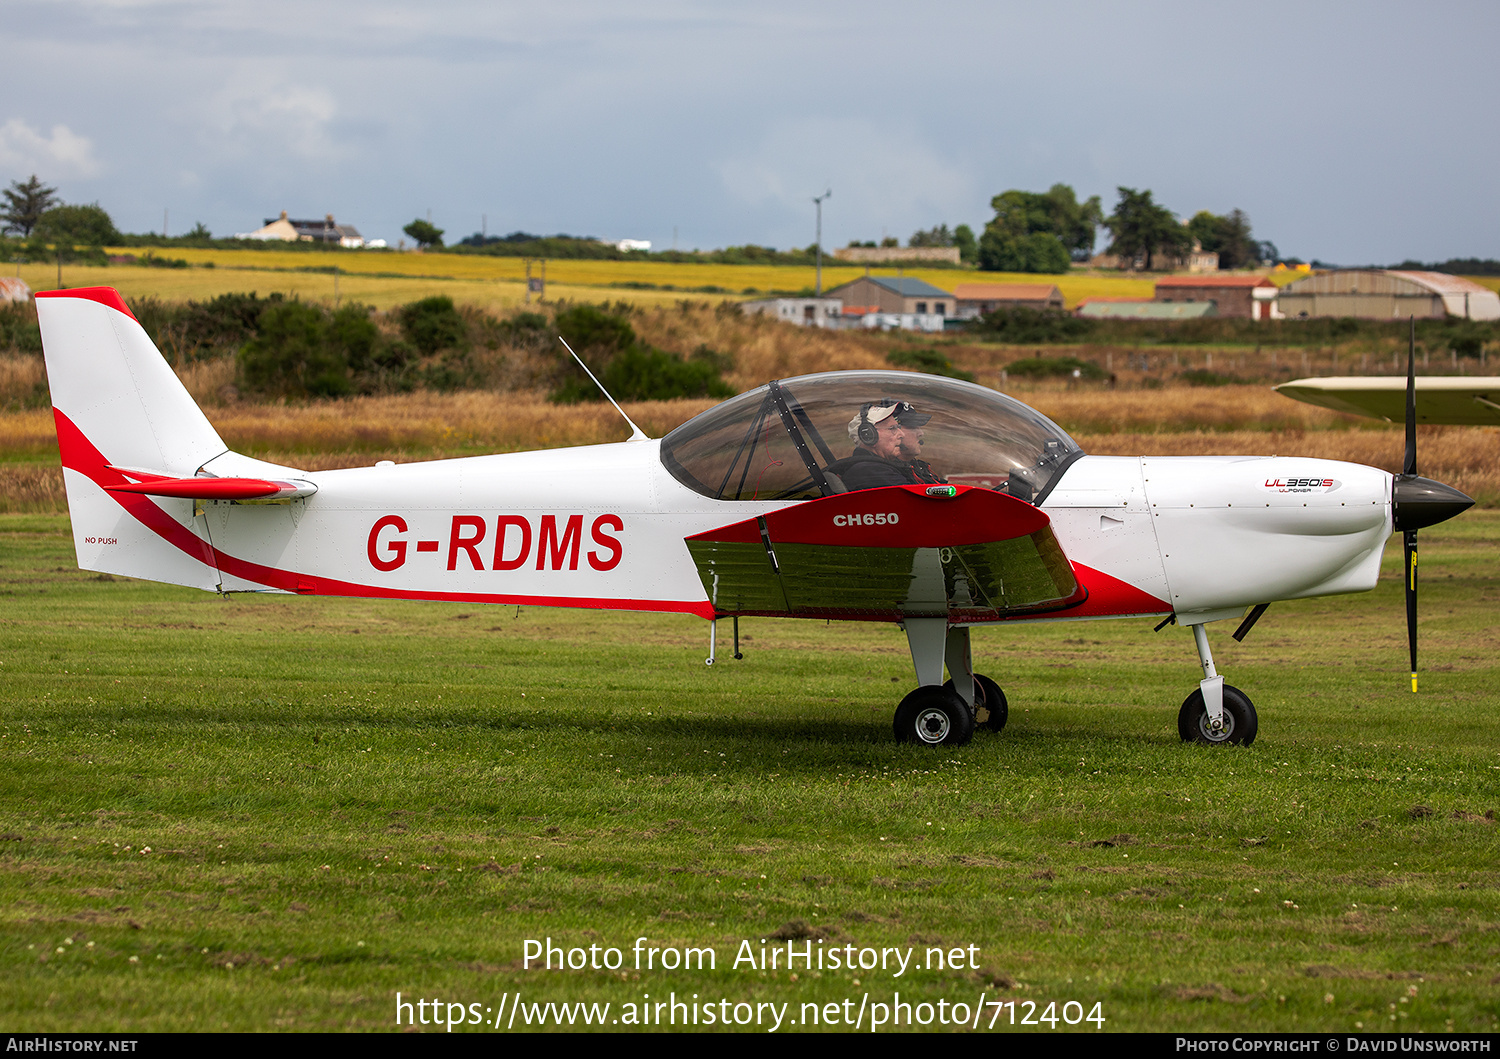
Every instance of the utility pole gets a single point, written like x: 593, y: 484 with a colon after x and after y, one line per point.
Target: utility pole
x: 818, y: 202
x: 164, y: 222
x: 536, y: 284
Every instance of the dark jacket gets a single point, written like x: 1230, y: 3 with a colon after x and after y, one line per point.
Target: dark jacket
x: 865, y: 470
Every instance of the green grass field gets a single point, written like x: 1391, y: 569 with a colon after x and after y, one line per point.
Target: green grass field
x: 276, y: 813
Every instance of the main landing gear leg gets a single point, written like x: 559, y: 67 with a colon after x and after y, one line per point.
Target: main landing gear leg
x: 960, y: 663
x: 981, y: 694
x: 937, y: 714
x: 1216, y: 713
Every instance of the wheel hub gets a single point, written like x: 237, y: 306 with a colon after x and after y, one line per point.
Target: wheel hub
x: 933, y: 725
x: 1217, y: 730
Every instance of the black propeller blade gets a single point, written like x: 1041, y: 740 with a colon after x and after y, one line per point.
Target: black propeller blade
x: 1408, y: 472
x: 1418, y: 501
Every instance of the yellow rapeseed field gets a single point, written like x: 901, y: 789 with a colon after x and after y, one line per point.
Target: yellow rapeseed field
x: 384, y: 278
x: 387, y: 278
x: 383, y: 292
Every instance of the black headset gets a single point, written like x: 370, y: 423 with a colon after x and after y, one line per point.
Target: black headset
x: 868, y: 434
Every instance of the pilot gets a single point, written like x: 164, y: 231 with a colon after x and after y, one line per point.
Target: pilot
x: 877, y: 460
x: 912, y: 422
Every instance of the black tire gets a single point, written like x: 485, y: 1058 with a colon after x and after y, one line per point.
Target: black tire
x: 934, y: 716
x: 991, y: 710
x: 1240, y: 721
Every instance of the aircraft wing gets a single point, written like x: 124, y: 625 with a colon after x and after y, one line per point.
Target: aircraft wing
x: 1452, y: 400
x: 886, y: 554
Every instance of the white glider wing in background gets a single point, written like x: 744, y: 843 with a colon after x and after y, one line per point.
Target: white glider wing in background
x: 1441, y: 399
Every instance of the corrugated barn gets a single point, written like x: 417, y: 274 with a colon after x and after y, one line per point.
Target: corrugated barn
x: 1382, y: 294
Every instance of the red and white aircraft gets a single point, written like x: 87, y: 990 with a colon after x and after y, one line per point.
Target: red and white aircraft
x: 733, y: 513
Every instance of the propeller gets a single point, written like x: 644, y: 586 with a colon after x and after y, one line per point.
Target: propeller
x: 1418, y: 501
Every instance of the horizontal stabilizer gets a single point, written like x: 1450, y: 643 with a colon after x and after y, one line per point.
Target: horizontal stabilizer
x: 206, y: 488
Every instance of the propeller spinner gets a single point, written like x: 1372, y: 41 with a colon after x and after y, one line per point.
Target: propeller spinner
x: 1418, y: 501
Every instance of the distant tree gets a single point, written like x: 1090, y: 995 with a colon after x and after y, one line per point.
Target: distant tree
x: 968, y: 246
x: 200, y: 234
x: 25, y: 204
x: 1208, y: 229
x: 890, y: 240
x: 291, y: 355
x: 1143, y: 229
x: 1038, y: 252
x: 595, y: 330
x: 1021, y: 325
x: 643, y: 373
x: 77, y: 226
x: 939, y: 236
x: 1034, y: 232
x: 1227, y: 236
x: 433, y: 324
x: 1457, y: 266
x: 1076, y: 222
x: 424, y: 233
x: 929, y: 361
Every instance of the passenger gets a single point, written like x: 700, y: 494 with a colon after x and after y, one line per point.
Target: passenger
x: 912, y: 422
x: 878, y: 434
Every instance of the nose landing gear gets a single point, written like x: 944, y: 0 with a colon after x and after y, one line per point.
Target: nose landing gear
x: 1217, y: 713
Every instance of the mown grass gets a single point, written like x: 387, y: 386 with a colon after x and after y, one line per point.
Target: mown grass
x: 343, y: 799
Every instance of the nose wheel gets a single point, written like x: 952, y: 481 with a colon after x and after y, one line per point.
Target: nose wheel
x: 1236, y: 725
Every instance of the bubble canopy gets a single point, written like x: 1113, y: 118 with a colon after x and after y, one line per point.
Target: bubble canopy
x: 775, y: 442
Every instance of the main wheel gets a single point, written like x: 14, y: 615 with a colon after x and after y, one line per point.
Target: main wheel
x: 991, y: 710
x: 1240, y: 722
x: 934, y: 716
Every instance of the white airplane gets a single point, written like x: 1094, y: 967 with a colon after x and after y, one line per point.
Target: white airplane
x: 742, y: 510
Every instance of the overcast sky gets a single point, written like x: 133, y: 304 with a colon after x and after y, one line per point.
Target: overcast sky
x: 1352, y: 132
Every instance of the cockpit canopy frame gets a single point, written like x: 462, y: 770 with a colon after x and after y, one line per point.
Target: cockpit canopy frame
x: 776, y: 442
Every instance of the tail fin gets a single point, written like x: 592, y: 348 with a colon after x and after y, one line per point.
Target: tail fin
x: 117, y: 403
x: 109, y: 378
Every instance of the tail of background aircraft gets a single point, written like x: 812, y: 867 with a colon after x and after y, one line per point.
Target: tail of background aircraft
x: 118, y: 404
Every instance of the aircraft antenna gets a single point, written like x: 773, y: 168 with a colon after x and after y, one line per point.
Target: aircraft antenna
x: 636, y: 433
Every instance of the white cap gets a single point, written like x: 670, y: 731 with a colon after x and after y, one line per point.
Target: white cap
x: 876, y: 414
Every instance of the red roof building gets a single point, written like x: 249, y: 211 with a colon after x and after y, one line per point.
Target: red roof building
x: 976, y: 298
x: 1245, y: 297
